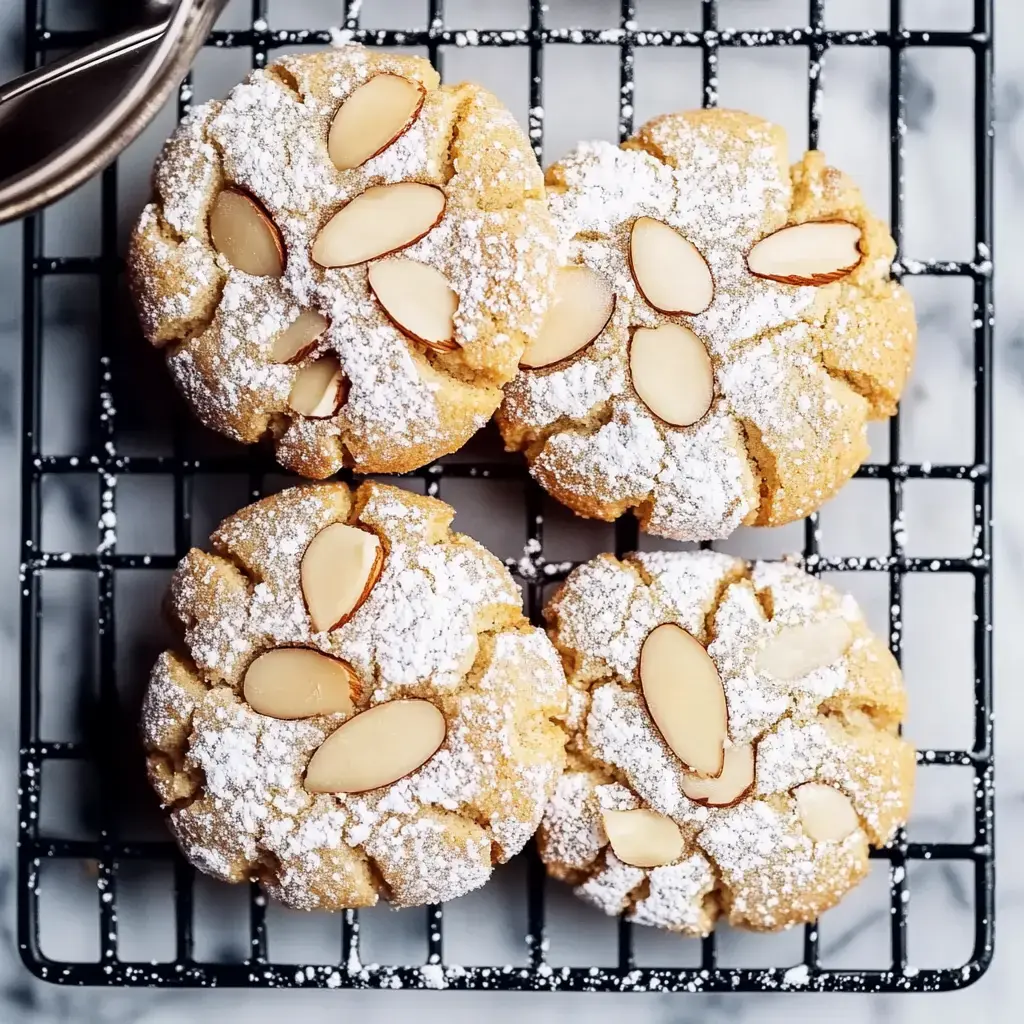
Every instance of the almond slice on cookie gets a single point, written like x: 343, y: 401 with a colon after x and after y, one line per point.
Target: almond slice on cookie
x: 243, y: 233
x: 376, y: 748
x: 685, y: 698
x: 668, y: 269
x: 378, y: 222
x: 583, y: 305
x: 373, y: 117
x: 813, y: 253
x: 337, y: 573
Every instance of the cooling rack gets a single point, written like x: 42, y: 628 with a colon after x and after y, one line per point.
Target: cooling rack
x: 105, y: 465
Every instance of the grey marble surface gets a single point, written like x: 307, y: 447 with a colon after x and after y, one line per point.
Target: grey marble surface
x: 580, y: 102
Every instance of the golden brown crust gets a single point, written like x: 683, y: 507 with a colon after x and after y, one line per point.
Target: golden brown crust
x: 798, y: 370
x: 405, y: 404
x: 443, y: 622
x: 754, y: 862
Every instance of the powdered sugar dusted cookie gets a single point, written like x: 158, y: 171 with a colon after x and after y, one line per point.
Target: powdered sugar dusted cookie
x: 346, y: 256
x: 734, y: 743
x: 724, y: 327
x: 359, y: 707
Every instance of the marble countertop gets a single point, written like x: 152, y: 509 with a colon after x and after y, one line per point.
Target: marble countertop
x: 581, y: 102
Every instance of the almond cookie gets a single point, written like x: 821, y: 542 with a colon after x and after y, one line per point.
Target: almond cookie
x: 734, y: 747
x: 723, y: 329
x: 358, y: 707
x: 346, y: 257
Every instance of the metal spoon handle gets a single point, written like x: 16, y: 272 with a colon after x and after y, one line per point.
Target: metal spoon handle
x: 82, y: 61
x: 62, y: 123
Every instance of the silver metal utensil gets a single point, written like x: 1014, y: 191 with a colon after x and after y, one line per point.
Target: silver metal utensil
x: 62, y: 123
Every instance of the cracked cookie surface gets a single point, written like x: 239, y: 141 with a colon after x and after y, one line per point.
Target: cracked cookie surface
x: 797, y: 370
x: 403, y: 403
x: 764, y: 857
x: 441, y: 623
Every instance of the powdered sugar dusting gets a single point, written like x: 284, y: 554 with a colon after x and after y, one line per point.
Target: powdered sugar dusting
x: 443, y: 622
x: 720, y: 179
x: 494, y: 245
x: 676, y: 897
x: 572, y: 834
x: 575, y: 391
x: 620, y: 733
x: 615, y: 464
x: 599, y: 636
x: 868, y: 768
x: 189, y: 173
x: 609, y: 889
x: 770, y: 873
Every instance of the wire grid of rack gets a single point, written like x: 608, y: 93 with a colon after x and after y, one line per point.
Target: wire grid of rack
x: 105, y: 462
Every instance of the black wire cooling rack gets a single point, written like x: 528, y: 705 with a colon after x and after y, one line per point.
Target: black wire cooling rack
x: 103, y: 461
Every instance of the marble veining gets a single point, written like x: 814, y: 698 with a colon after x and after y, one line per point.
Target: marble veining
x: 580, y: 102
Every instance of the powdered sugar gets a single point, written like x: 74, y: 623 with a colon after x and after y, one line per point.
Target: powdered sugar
x: 186, y: 282
x: 606, y: 632
x: 720, y: 179
x: 704, y: 480
x: 269, y: 138
x: 575, y: 391
x: 217, y: 644
x: 615, y: 464
x: 687, y: 587
x: 620, y: 733
x: 868, y: 768
x: 416, y: 624
x: 221, y: 369
x: 572, y: 834
x: 770, y: 872
x: 443, y: 622
x: 609, y: 889
x: 676, y: 897
x: 189, y: 173
x: 773, y: 872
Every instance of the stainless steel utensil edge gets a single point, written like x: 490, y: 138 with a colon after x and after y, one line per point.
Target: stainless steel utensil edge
x: 187, y: 28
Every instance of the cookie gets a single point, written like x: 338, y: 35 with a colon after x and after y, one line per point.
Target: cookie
x: 358, y: 707
x: 723, y: 330
x: 734, y: 748
x: 346, y: 257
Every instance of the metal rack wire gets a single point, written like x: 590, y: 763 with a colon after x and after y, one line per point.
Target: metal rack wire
x: 103, y: 461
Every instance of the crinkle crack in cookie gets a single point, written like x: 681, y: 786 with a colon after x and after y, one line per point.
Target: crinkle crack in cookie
x: 724, y: 327
x: 359, y: 707
x: 346, y: 256
x: 734, y: 744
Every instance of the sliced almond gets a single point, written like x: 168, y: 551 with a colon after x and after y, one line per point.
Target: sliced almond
x: 376, y: 748
x: 582, y: 306
x: 379, y: 221
x: 796, y: 650
x: 827, y: 814
x: 242, y: 232
x: 417, y: 299
x: 292, y: 682
x: 338, y: 571
x: 669, y: 269
x: 643, y: 838
x: 672, y: 373
x: 299, y: 338
x: 815, y: 252
x: 685, y: 697
x: 318, y: 389
x: 731, y: 786
x: 374, y: 115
